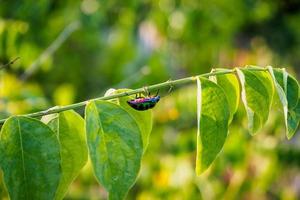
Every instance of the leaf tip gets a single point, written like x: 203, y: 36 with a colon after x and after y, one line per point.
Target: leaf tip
x: 290, y: 134
x: 201, y: 170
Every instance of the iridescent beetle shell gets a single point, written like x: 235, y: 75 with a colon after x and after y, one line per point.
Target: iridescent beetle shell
x: 143, y: 103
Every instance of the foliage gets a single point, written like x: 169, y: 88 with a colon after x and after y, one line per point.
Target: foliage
x: 30, y: 159
x: 256, y: 87
x: 116, y: 146
x: 117, y: 136
x: 69, y: 128
x: 136, y: 43
x: 213, y: 119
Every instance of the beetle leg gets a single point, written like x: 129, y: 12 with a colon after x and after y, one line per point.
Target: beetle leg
x: 171, y: 86
x: 157, y: 93
x: 146, y: 91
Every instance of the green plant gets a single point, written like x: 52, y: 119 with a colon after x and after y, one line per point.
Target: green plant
x: 40, y: 158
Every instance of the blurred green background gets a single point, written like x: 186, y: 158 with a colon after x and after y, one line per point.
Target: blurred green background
x: 75, y: 50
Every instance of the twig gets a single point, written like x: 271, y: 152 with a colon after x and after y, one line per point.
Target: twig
x: 168, y: 83
x: 9, y: 63
x: 51, y: 49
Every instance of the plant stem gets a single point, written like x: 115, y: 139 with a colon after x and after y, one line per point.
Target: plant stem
x: 9, y: 63
x: 169, y: 83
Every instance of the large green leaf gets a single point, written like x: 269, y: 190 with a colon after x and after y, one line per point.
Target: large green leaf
x: 257, y: 96
x: 213, y: 117
x: 30, y: 159
x: 69, y: 127
x: 115, y: 146
x: 287, y: 89
x: 143, y: 118
x: 230, y: 85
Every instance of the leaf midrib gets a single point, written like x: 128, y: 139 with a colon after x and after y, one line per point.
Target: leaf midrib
x: 104, y: 139
x: 22, y: 152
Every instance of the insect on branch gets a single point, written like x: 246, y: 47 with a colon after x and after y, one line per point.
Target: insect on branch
x: 169, y: 83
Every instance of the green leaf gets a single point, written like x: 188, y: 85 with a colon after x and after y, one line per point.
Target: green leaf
x: 257, y: 96
x: 69, y: 127
x: 230, y: 85
x: 289, y: 85
x: 115, y: 146
x: 287, y: 89
x: 293, y: 120
x: 213, y: 116
x: 30, y: 159
x: 143, y: 118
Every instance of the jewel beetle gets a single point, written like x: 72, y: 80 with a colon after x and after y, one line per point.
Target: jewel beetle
x: 144, y: 103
